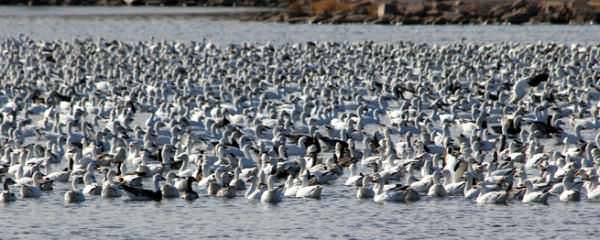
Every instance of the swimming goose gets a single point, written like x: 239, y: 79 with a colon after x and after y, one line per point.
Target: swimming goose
x: 291, y: 186
x: 592, y: 187
x: 254, y: 193
x: 226, y: 192
x: 437, y: 189
x: 532, y: 196
x: 60, y: 176
x: 189, y: 194
x: 131, y: 179
x: 571, y: 190
x: 491, y: 196
x: 306, y: 191
x: 33, y: 190
x: 470, y: 192
x: 74, y: 195
x: 109, y: 189
x: 90, y: 185
x: 452, y: 188
x: 421, y: 185
x: 397, y: 193
x: 271, y: 195
x: 237, y: 183
x: 327, y: 172
x: 140, y: 194
x: 167, y: 189
x: 184, y: 171
x: 364, y: 191
x: 6, y: 195
x: 354, y: 179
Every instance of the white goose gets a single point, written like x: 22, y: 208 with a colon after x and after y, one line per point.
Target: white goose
x: 167, y: 189
x: 109, y: 189
x: 488, y: 196
x: 74, y: 195
x: 236, y: 182
x: 470, y: 192
x: 271, y: 195
x: 33, y: 190
x: 90, y: 185
x: 390, y: 195
x: 365, y: 191
x: 453, y: 188
x: 291, y: 186
x: 306, y: 191
x: 254, y: 193
x: 354, y: 179
x: 592, y: 188
x: 437, y: 190
x: 532, y: 196
x: 571, y: 191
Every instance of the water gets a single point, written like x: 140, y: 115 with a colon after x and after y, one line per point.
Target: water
x: 133, y: 24
x: 338, y: 215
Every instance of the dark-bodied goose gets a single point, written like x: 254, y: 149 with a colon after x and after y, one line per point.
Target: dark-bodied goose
x: 189, y: 193
x: 140, y: 194
x: 6, y: 195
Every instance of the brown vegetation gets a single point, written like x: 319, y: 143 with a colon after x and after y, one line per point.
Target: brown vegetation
x: 448, y: 11
x: 389, y: 11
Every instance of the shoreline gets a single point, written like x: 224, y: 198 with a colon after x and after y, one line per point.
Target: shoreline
x: 404, y: 12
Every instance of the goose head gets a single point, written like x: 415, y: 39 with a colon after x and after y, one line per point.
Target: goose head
x: 156, y: 180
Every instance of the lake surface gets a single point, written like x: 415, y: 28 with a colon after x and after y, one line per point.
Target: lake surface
x: 338, y: 215
x: 194, y: 23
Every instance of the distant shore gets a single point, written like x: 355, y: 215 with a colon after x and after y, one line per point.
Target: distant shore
x: 375, y: 11
x: 148, y: 12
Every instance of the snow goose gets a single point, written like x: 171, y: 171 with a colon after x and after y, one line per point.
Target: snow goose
x: 237, y: 182
x: 271, y: 195
x: 470, y: 192
x: 491, y: 196
x: 167, y: 189
x: 74, y: 195
x: 364, y: 191
x: 571, y: 189
x: 437, y: 189
x: 591, y: 187
x: 532, y: 196
x: 395, y: 194
x: 307, y: 191
x: 254, y: 193
x: 90, y: 185
x: 109, y: 189
x: 452, y: 188
x: 291, y: 186
x: 354, y: 179
x: 131, y: 179
x: 522, y: 86
x: 33, y: 190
